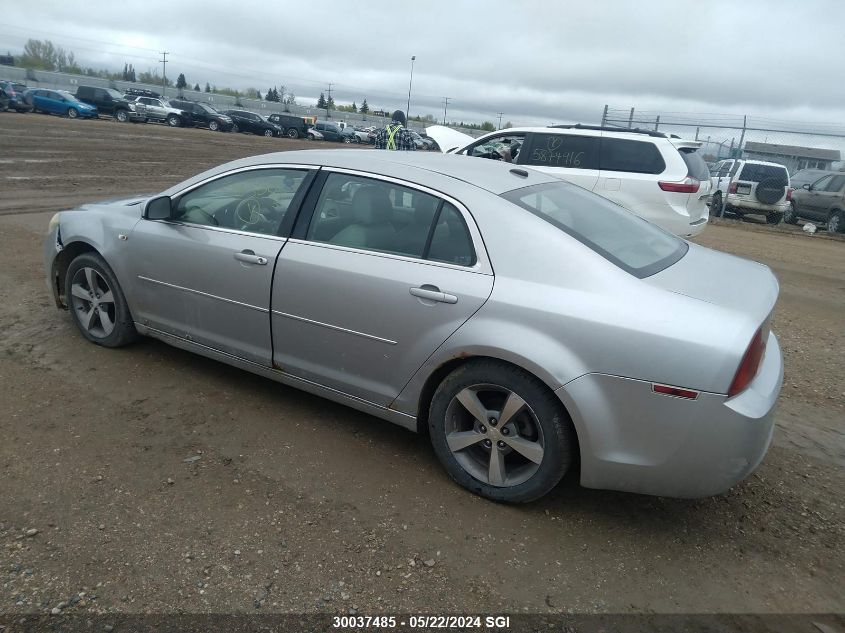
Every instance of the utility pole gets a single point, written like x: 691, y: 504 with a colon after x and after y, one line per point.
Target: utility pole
x: 742, y: 136
x: 500, y: 120
x: 656, y: 123
x: 329, y: 100
x: 163, y: 61
x: 445, y: 103
x: 410, y: 83
x: 604, y: 116
x: 631, y: 119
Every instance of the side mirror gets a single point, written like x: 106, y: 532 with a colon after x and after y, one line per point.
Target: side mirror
x: 160, y: 208
x: 807, y: 187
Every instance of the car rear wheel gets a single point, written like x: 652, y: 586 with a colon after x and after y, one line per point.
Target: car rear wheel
x: 789, y: 215
x: 293, y: 133
x: 122, y: 116
x: 500, y: 432
x: 716, y: 204
x: 347, y: 140
x: 235, y: 128
x: 213, y: 126
x: 72, y: 113
x: 173, y: 121
x: 836, y: 222
x: 268, y: 133
x: 96, y: 302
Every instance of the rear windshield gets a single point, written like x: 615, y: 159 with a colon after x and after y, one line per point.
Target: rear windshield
x: 752, y: 172
x: 631, y: 243
x: 696, y: 166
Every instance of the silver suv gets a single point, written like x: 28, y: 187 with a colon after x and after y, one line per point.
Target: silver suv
x: 750, y: 187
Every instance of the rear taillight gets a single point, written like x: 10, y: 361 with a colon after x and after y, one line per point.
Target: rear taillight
x: 732, y: 188
x: 749, y: 365
x: 687, y: 185
x: 789, y: 191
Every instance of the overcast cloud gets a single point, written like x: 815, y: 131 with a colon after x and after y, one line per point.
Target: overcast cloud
x: 537, y: 62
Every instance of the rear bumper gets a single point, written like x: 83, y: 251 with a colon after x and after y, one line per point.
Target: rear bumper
x: 748, y: 205
x: 675, y: 218
x: 636, y: 441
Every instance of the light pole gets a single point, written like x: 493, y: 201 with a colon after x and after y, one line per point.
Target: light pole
x: 410, y: 83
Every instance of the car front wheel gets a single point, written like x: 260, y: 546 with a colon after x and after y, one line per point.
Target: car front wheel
x: 122, y: 116
x: 173, y: 121
x: 836, y: 222
x: 96, y: 302
x: 500, y: 432
x: 213, y: 126
x: 72, y: 113
x: 293, y: 133
x: 235, y: 128
x: 716, y: 204
x: 268, y: 133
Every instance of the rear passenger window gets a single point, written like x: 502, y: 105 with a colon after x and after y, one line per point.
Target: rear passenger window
x: 562, y: 150
x: 375, y: 215
x: 638, y: 157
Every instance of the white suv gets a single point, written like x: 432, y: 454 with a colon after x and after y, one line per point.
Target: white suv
x: 659, y: 177
x: 750, y: 187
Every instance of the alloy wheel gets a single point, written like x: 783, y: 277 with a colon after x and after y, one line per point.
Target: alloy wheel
x: 834, y: 223
x: 494, y: 435
x: 93, y: 302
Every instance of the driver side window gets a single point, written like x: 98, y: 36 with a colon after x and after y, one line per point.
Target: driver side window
x: 255, y: 201
x: 505, y: 147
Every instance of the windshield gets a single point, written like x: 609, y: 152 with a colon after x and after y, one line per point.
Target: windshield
x: 114, y: 93
x: 696, y: 166
x: 207, y: 108
x: 626, y: 240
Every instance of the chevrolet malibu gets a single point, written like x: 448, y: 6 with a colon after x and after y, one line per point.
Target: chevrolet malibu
x: 530, y: 327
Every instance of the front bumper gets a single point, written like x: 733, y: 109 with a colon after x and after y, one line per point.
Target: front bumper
x: 636, y: 441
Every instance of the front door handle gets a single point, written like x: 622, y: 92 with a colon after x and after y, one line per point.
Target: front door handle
x: 250, y: 257
x: 432, y: 293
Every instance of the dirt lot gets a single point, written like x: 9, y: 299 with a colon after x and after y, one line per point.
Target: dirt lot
x: 296, y: 504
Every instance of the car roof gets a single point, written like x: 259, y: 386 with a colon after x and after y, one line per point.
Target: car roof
x: 761, y: 162
x: 420, y: 167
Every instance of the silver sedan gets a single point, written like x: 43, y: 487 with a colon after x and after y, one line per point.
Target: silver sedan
x: 529, y: 326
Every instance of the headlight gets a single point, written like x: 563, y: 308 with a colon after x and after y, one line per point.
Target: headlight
x: 54, y: 222
x: 132, y: 107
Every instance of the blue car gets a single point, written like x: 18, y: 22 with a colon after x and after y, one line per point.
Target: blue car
x: 60, y: 102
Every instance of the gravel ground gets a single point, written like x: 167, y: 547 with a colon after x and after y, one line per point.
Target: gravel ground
x: 150, y: 480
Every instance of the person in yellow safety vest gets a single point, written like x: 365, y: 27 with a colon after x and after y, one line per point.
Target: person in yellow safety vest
x: 396, y: 135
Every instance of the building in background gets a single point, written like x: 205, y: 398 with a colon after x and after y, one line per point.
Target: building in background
x: 794, y: 157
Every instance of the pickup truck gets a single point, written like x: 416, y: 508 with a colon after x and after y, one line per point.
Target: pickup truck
x: 154, y: 109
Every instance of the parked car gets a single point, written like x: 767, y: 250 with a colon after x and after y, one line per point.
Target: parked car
x: 292, y: 126
x: 154, y: 109
x: 362, y: 134
x: 108, y: 101
x: 60, y: 102
x: 15, y: 92
x: 751, y: 187
x: 314, y: 135
x: 822, y: 201
x: 203, y: 115
x: 597, y: 339
x: 243, y: 121
x: 660, y: 178
x: 331, y: 131
x: 806, y: 177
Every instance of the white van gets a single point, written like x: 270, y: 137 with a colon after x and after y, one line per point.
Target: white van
x: 659, y: 177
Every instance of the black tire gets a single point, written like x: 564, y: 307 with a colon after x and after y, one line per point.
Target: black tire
x: 558, y: 435
x: 836, y: 222
x: 292, y: 133
x: 72, y: 113
x: 773, y: 217
x: 173, y: 121
x: 347, y: 140
x: 789, y: 216
x: 213, y: 126
x: 769, y: 190
x: 716, y: 204
x: 121, y: 116
x: 123, y: 331
x: 268, y: 133
x: 310, y: 137
x: 235, y: 128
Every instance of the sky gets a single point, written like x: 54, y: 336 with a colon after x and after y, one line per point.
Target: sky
x: 536, y: 62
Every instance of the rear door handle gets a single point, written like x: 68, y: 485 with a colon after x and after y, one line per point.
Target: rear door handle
x: 432, y: 293
x: 250, y: 257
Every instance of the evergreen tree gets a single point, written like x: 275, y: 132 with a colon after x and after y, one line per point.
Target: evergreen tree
x: 196, y: 87
x: 207, y: 87
x: 321, y: 102
x: 125, y: 71
x: 364, y: 107
x: 353, y: 107
x: 330, y: 103
x: 132, y: 73
x: 181, y: 82
x: 258, y: 94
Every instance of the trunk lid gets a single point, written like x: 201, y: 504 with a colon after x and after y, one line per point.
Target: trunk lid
x: 739, y: 285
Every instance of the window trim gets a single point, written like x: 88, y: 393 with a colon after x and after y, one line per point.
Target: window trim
x: 298, y: 235
x: 286, y: 226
